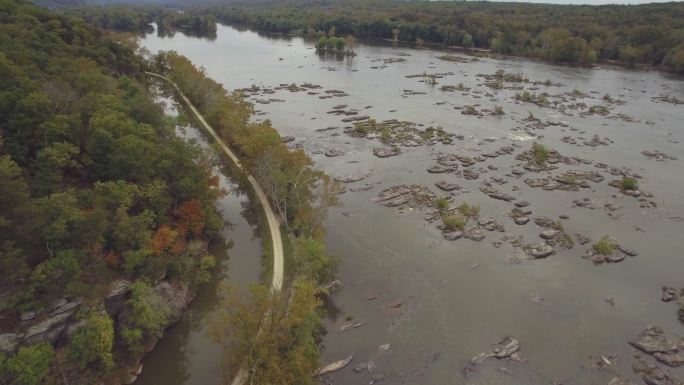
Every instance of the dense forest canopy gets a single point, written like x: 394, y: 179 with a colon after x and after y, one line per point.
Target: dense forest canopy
x: 96, y: 187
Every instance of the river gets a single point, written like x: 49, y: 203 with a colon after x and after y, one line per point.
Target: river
x: 428, y: 305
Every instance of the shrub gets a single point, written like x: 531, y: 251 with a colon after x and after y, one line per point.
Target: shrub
x: 468, y: 210
x: 442, y: 203
x: 454, y: 222
x: 540, y: 153
x: 605, y: 246
x: 629, y: 183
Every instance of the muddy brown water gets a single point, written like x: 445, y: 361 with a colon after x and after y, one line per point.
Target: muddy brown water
x: 457, y: 298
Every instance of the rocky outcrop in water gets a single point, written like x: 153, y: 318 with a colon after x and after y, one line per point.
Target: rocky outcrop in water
x: 655, y: 342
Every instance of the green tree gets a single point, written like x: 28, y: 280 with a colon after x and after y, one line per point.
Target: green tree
x: 92, y: 343
x: 29, y: 366
x: 467, y: 41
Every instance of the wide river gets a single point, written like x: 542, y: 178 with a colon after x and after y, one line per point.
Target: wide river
x: 428, y: 305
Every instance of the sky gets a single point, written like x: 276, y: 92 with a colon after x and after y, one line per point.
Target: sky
x: 591, y: 2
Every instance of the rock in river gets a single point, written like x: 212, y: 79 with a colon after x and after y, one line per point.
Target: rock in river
x: 666, y: 350
x: 386, y: 152
x: 669, y: 294
x: 539, y: 250
x: 333, y: 366
x: 654, y: 374
x: 505, y: 347
x: 446, y: 186
x: 333, y: 152
x: 438, y: 169
x: 490, y: 224
x: 453, y: 235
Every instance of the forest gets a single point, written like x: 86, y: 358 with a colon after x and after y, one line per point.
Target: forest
x: 646, y: 34
x: 96, y: 189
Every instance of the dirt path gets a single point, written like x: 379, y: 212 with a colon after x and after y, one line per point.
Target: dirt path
x: 272, y: 219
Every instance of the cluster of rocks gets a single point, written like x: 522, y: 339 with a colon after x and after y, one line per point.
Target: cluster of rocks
x: 398, y: 133
x: 52, y: 325
x: 618, y: 254
x: 57, y: 323
x: 507, y: 348
x: 657, y: 155
x: 568, y: 181
x: 492, y: 192
x: 412, y: 195
x: 655, y: 342
x: 386, y: 152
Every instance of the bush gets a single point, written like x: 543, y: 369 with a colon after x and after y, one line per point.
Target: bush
x: 629, y: 183
x: 468, y: 210
x: 540, y: 153
x: 442, y: 203
x: 28, y: 367
x: 605, y: 246
x: 92, y: 343
x: 454, y: 222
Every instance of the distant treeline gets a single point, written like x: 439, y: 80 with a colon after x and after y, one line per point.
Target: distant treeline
x: 138, y: 18
x: 648, y: 34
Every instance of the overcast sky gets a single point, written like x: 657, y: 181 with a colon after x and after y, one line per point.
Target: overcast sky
x: 593, y: 2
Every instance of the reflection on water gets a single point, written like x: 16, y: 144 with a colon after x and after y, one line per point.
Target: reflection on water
x: 186, y: 355
x: 457, y: 298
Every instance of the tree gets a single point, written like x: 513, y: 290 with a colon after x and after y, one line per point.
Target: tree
x: 147, y: 310
x: 92, y: 343
x: 467, y: 41
x: 279, y: 349
x: 29, y: 366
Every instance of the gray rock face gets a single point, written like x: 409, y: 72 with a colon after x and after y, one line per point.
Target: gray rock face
x: 438, y: 169
x: 654, y: 341
x: 175, y: 295
x: 115, y: 299
x: 28, y: 315
x: 505, y: 347
x: 654, y: 374
x: 9, y: 342
x: 333, y: 152
x: 474, y: 234
x: 539, y: 250
x: 453, y: 235
x: 669, y: 294
x: 386, y: 152
x: 490, y: 224
x: 48, y: 330
x: 521, y: 220
x: 549, y: 233
x: 446, y: 186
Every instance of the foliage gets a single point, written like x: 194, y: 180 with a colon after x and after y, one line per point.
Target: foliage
x: 28, y: 367
x: 540, y: 153
x: 90, y: 172
x: 442, y: 203
x: 605, y: 246
x: 454, y: 222
x: 282, y: 348
x: 629, y: 183
x: 148, y: 310
x: 469, y: 211
x: 92, y: 343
